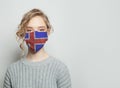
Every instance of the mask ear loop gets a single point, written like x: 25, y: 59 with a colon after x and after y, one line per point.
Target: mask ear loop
x: 23, y: 51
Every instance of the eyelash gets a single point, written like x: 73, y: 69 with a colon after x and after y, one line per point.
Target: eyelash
x: 28, y: 30
x: 39, y: 29
x: 42, y: 29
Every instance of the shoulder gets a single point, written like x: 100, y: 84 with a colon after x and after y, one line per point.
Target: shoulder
x: 62, y: 71
x: 13, y: 65
x: 58, y: 61
x: 60, y: 64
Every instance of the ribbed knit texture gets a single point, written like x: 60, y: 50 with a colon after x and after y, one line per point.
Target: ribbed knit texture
x: 48, y: 73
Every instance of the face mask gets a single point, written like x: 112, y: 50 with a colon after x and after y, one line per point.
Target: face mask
x: 35, y: 40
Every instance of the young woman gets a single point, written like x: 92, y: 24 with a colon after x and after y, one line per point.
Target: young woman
x: 37, y: 69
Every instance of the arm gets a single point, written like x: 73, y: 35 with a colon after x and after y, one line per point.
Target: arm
x: 7, y: 81
x: 64, y: 79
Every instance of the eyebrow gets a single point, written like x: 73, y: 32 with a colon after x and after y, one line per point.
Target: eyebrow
x: 38, y: 27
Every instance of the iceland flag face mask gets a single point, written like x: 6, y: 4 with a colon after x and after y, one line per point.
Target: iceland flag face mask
x: 35, y: 40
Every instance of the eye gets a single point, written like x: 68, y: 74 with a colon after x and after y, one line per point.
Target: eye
x: 41, y: 29
x: 29, y: 30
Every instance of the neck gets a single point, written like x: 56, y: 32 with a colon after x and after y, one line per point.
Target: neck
x: 40, y: 55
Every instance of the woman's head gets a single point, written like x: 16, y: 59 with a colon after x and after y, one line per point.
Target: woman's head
x: 33, y: 20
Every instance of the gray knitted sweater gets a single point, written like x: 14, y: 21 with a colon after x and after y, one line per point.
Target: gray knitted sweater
x: 48, y: 73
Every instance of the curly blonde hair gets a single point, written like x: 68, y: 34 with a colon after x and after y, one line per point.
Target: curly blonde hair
x: 26, y: 18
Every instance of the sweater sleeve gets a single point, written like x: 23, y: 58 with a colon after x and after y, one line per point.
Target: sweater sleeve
x: 64, y: 78
x: 7, y: 80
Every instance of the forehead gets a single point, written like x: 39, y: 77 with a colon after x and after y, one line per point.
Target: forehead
x: 36, y: 21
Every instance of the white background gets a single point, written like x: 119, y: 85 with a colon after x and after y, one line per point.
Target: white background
x: 86, y: 38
